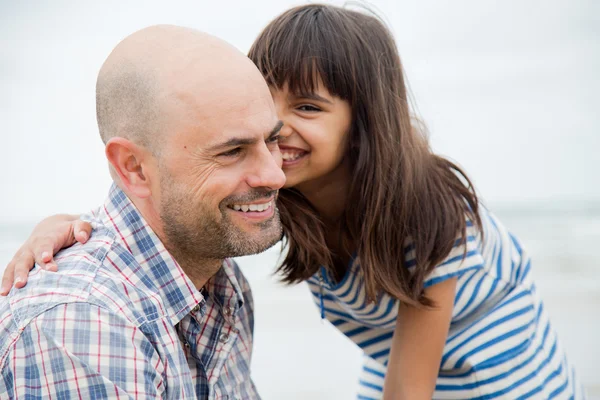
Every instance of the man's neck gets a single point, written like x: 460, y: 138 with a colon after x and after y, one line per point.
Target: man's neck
x: 198, y: 270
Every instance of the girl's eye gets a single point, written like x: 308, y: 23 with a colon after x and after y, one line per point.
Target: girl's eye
x: 309, y: 108
x: 232, y: 153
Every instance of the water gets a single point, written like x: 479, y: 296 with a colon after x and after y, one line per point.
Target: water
x: 297, y: 356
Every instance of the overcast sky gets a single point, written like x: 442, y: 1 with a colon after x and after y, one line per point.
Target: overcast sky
x: 508, y: 89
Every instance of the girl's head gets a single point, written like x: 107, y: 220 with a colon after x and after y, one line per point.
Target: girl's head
x: 338, y: 86
x: 337, y: 83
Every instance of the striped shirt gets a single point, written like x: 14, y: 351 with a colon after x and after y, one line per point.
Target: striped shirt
x: 500, y: 343
x: 122, y: 320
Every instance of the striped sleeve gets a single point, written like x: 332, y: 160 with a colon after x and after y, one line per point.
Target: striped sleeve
x: 79, y: 350
x: 465, y: 256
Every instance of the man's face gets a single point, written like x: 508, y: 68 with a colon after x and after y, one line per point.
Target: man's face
x: 220, y: 172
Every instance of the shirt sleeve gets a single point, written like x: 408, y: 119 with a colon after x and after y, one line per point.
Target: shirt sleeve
x: 464, y: 256
x: 79, y: 350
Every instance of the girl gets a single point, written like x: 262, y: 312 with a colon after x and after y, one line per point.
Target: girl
x: 396, y: 249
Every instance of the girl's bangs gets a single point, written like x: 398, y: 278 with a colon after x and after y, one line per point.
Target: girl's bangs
x: 301, y: 51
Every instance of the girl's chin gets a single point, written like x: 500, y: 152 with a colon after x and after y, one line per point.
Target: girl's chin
x: 291, y: 180
x: 289, y: 185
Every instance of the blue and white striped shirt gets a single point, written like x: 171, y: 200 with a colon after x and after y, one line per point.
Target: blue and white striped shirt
x: 500, y: 343
x: 120, y: 319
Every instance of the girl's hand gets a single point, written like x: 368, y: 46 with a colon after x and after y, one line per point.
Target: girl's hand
x: 47, y: 238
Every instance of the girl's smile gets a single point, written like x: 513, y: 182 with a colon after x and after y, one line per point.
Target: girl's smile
x: 292, y: 156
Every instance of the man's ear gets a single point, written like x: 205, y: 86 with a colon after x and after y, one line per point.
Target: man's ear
x: 131, y: 163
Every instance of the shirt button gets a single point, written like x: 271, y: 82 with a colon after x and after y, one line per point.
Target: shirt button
x: 196, y: 308
x: 228, y: 311
x: 224, y: 338
x: 187, y: 345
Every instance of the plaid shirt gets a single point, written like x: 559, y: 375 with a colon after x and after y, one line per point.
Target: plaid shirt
x: 122, y: 320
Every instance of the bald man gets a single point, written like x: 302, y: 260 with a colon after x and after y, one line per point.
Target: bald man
x: 151, y: 306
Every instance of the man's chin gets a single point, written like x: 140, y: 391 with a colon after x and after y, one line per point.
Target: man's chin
x: 252, y: 235
x: 257, y: 241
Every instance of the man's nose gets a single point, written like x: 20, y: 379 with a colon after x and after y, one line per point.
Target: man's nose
x: 267, y: 172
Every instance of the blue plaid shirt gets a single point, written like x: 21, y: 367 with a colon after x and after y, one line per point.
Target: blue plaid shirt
x: 122, y: 320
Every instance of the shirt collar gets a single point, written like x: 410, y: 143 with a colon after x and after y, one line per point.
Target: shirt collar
x: 224, y: 288
x: 176, y: 290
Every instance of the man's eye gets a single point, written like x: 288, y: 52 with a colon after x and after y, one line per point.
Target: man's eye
x: 309, y: 108
x: 273, y: 139
x: 232, y: 153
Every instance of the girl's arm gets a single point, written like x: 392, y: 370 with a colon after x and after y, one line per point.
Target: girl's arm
x: 418, y: 344
x: 48, y: 237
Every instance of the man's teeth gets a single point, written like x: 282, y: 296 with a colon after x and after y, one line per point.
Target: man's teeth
x: 252, y: 207
x: 291, y: 156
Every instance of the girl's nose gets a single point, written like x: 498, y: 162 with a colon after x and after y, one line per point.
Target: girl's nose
x: 285, y: 132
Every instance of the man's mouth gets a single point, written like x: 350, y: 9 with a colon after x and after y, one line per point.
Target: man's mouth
x: 255, y: 207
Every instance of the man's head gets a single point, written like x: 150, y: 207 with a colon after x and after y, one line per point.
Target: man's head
x: 191, y: 135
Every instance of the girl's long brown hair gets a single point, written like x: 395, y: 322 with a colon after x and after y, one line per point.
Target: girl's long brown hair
x: 400, y: 191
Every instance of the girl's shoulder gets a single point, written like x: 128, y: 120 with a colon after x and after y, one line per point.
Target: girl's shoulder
x: 467, y: 253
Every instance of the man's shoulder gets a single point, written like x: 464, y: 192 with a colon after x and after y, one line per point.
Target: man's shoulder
x: 77, y: 269
x: 98, y: 273
x: 99, y: 344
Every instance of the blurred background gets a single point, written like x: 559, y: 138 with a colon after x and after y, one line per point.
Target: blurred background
x: 507, y: 89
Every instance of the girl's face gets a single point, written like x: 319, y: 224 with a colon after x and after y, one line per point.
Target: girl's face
x: 314, y: 136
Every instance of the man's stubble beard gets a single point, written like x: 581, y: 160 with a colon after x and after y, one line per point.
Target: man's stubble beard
x: 193, y: 233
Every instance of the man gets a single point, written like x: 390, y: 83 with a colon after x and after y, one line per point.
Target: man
x: 150, y: 306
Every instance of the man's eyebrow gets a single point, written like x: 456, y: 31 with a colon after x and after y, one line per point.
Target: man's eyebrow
x: 313, y: 96
x: 276, y: 129
x: 237, y: 141
x: 233, y: 142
